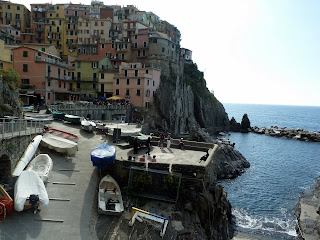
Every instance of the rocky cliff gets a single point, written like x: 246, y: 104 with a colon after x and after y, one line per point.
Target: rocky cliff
x: 9, y: 95
x: 183, y: 103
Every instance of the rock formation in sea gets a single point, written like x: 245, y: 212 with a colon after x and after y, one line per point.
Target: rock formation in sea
x: 9, y: 94
x: 243, y: 127
x: 183, y: 103
x: 230, y: 163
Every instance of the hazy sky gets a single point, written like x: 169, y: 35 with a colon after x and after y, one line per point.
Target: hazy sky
x: 251, y: 51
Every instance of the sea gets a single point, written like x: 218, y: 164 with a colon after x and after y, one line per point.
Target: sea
x: 264, y: 198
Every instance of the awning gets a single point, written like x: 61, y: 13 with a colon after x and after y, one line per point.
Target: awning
x: 114, y: 98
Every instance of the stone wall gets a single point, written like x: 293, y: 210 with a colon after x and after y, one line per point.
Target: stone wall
x: 11, y: 150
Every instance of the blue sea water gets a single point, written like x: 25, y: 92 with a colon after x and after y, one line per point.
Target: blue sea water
x: 264, y: 198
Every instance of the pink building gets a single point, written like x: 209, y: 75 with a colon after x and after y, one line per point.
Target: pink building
x: 136, y: 83
x: 140, y: 45
x: 43, y: 75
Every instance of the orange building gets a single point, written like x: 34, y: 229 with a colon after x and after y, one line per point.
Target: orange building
x: 136, y: 83
x: 43, y: 75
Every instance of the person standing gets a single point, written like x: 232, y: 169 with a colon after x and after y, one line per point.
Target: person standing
x: 162, y: 137
x: 181, y: 144
x: 135, y: 145
x: 169, y: 140
x: 148, y: 145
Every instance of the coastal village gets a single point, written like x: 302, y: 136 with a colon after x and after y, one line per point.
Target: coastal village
x: 81, y: 157
x: 106, y: 129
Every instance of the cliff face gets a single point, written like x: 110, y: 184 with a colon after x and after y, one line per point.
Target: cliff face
x: 9, y: 95
x: 183, y: 103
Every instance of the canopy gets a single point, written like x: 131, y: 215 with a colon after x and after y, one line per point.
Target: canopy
x: 103, y: 155
x: 114, y: 98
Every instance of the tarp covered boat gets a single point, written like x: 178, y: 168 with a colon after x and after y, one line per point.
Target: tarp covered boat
x: 42, y: 165
x: 27, y: 156
x: 59, y: 144
x: 29, y: 183
x: 103, y: 155
x: 58, y: 115
x: 6, y: 204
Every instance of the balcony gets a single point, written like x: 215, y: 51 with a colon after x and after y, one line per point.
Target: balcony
x: 52, y: 61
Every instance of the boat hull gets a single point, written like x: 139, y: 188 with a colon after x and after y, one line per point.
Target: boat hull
x: 62, y: 134
x: 42, y: 165
x: 6, y: 204
x: 29, y: 183
x: 27, y: 156
x: 60, y: 145
x: 72, y: 119
x: 109, y: 197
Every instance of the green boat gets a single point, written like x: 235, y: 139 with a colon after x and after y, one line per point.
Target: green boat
x: 58, y: 115
x: 72, y: 119
x: 142, y: 140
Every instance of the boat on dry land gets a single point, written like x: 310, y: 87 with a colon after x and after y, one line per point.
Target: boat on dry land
x: 59, y: 144
x: 73, y: 119
x: 110, y: 198
x: 27, y: 156
x: 42, y: 165
x: 62, y: 134
x: 29, y: 192
x: 87, y: 125
x: 6, y: 204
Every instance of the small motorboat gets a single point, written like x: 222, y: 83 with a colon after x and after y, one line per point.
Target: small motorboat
x: 27, y: 156
x: 87, y: 125
x: 59, y: 144
x: 109, y: 199
x: 29, y: 192
x: 103, y: 155
x: 62, y: 134
x: 6, y: 204
x: 58, y: 115
x: 73, y: 119
x: 42, y: 165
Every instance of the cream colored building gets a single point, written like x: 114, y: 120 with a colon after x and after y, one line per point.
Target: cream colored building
x: 16, y: 15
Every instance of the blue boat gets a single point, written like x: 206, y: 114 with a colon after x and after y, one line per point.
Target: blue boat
x: 103, y: 155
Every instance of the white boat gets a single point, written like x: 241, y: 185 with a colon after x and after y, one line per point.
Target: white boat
x: 59, y: 144
x: 87, y: 125
x: 109, y: 197
x: 42, y: 165
x: 28, y: 185
x: 27, y: 156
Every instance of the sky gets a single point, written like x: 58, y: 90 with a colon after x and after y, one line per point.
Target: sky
x: 251, y: 51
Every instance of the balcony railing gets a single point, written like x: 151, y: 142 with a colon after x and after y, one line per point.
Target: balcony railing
x: 27, y: 86
x: 52, y: 61
x: 82, y: 79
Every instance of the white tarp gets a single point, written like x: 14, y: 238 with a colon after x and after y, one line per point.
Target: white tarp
x: 29, y: 183
x: 59, y: 144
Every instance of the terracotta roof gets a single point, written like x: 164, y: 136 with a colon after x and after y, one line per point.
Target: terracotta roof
x: 90, y: 58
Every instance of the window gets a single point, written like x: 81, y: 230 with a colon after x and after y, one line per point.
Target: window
x: 58, y: 29
x: 24, y: 37
x: 94, y: 50
x: 49, y: 83
x: 128, y: 81
x: 118, y: 81
x: 148, y: 93
x: 64, y: 72
x: 138, y: 81
x: 102, y: 75
x: 25, y: 81
x: 79, y: 64
x: 9, y: 6
x: 25, y: 67
x: 59, y: 22
x: 138, y: 92
x: 58, y: 72
x: 64, y: 85
x: 148, y: 82
x: 117, y: 92
x: 102, y: 23
x: 94, y: 65
x: 112, y: 45
x: 136, y: 73
x: 163, y: 49
x: 18, y: 7
x: 78, y: 85
x: 101, y: 31
x: 59, y: 84
x: 25, y: 53
x: 135, y: 36
x: 68, y: 14
x: 102, y: 45
x: 125, y: 72
x: 122, y: 56
x: 94, y: 75
x: 144, y: 44
x: 43, y: 49
x: 127, y: 92
x: 96, y: 23
x: 155, y: 40
x: 153, y: 93
x: 135, y: 45
x: 153, y: 83
x: 147, y: 71
x: 48, y: 95
x: 139, y: 53
x: 57, y: 15
x: 94, y: 86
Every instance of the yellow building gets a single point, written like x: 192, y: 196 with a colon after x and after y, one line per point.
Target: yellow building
x: 5, y: 57
x: 54, y: 30
x: 16, y: 15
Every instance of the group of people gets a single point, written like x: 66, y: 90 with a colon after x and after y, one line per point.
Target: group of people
x: 162, y: 138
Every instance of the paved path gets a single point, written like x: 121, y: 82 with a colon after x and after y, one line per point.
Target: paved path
x: 74, y: 213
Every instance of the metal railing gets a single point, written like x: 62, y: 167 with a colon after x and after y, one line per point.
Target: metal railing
x: 86, y: 107
x: 19, y: 127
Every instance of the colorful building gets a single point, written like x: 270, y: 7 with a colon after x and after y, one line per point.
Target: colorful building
x: 43, y: 75
x: 16, y: 15
x: 5, y: 57
x: 88, y: 70
x: 9, y: 34
x: 136, y: 83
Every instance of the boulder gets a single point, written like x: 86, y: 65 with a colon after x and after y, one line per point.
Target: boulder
x: 245, y: 123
